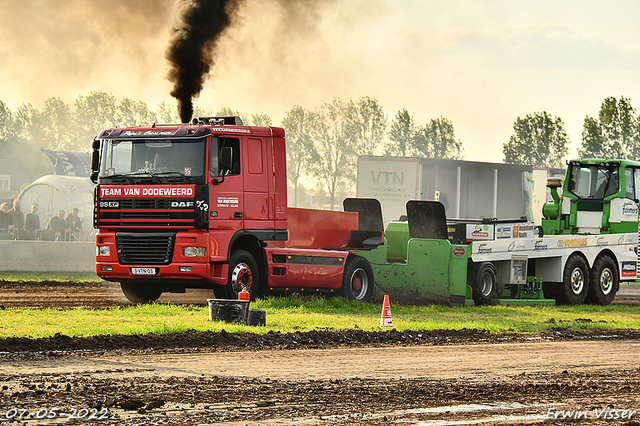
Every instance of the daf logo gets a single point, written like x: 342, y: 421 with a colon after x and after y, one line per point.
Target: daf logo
x: 181, y: 204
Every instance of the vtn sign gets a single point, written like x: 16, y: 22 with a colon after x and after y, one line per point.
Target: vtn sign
x: 393, y: 176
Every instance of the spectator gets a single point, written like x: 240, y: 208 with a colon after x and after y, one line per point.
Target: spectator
x: 73, y: 222
x: 58, y: 224
x: 17, y: 218
x: 5, y: 219
x: 32, y: 223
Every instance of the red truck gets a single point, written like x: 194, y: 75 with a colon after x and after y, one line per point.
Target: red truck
x: 204, y: 205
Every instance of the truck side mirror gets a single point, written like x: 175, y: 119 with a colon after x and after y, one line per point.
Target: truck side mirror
x: 226, y: 160
x: 95, y: 161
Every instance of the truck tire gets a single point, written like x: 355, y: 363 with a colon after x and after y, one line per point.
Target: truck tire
x: 140, y: 292
x: 357, y: 279
x: 575, y: 283
x: 485, y: 287
x: 243, y: 270
x: 604, y: 281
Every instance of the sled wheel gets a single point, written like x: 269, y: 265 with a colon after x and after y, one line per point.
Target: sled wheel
x: 485, y: 288
x: 575, y: 283
x: 138, y: 292
x: 357, y: 281
x: 604, y: 281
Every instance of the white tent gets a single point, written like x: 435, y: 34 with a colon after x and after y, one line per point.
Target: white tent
x: 55, y: 192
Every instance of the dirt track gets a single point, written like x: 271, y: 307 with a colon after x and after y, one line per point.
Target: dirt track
x: 106, y: 294
x: 342, y: 378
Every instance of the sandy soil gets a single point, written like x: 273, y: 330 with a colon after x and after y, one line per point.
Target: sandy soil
x: 348, y: 377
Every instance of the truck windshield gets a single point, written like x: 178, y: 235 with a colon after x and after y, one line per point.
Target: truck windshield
x: 152, y: 157
x: 593, y: 182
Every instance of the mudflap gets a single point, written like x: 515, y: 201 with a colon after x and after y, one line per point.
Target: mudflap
x: 427, y: 219
x: 370, y: 225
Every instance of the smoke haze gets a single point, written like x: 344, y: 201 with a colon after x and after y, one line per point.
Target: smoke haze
x: 191, y: 52
x: 480, y: 64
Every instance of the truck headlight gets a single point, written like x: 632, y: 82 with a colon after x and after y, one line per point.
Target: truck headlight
x: 103, y: 251
x: 193, y: 251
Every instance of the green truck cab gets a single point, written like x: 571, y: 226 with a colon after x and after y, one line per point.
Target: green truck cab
x: 599, y: 196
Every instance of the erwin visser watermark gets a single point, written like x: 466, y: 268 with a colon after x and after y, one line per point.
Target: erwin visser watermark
x: 597, y: 413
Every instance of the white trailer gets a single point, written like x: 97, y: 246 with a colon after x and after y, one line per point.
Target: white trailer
x: 574, y: 268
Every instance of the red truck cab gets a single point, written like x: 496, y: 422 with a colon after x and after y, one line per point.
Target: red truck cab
x: 204, y: 205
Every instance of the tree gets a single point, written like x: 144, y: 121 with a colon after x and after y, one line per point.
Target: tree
x: 402, y: 131
x: 539, y: 140
x: 298, y: 125
x: 614, y: 134
x: 57, y: 116
x: 134, y: 113
x: 228, y: 112
x: 437, y: 140
x: 592, y: 139
x: 370, y: 124
x: 261, y: 120
x: 6, y: 129
x: 48, y: 128
x: 92, y: 114
x: 334, y: 141
x: 15, y: 146
x: 167, y: 114
x: 28, y: 123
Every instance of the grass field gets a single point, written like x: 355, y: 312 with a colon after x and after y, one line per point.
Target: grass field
x: 48, y: 276
x: 305, y: 314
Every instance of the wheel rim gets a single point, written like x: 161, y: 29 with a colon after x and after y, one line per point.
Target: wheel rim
x: 606, y: 281
x: 359, y: 283
x: 241, y: 276
x: 577, y: 281
x: 486, y: 284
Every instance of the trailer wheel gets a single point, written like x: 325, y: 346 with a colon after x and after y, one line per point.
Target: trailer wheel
x: 357, y: 281
x: 604, y: 281
x: 243, y: 271
x: 485, y: 288
x: 138, y: 292
x: 575, y: 283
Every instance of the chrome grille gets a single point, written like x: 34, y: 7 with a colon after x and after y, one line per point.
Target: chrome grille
x: 145, y: 248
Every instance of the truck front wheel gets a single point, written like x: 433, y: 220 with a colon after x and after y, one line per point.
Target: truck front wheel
x: 575, y: 282
x: 243, y: 272
x: 604, y: 281
x: 485, y: 288
x: 140, y: 292
x: 357, y: 281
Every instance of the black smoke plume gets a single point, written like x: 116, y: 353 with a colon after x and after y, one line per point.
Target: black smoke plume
x: 191, y: 52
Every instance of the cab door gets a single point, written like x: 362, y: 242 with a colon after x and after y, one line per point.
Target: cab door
x: 624, y: 211
x: 258, y: 204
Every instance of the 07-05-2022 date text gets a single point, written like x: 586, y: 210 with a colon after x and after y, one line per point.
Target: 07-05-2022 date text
x: 53, y: 413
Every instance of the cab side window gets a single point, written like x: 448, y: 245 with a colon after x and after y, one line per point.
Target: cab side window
x: 632, y: 182
x: 217, y: 143
x: 629, y: 180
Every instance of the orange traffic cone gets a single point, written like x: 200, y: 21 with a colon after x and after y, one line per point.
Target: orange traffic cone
x: 385, y: 317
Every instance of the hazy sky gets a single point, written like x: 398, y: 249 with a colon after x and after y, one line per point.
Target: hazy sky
x: 480, y: 64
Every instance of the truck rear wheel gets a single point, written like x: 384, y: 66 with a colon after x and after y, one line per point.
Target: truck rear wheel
x: 604, y: 281
x: 243, y: 271
x: 575, y: 283
x: 485, y: 288
x: 140, y: 292
x: 357, y: 281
